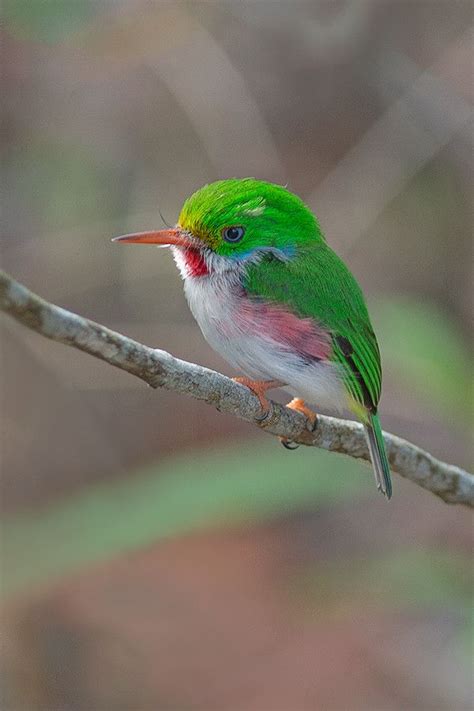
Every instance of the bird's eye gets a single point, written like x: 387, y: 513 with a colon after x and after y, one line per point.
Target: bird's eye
x: 233, y: 234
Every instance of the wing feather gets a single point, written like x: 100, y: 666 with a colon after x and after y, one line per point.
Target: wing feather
x: 316, y: 284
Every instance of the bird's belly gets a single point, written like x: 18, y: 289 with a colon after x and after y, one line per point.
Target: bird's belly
x: 217, y: 309
x: 228, y: 327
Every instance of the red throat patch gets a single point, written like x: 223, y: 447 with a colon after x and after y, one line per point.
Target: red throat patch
x: 195, y: 263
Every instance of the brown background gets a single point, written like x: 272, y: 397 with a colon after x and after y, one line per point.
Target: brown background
x: 112, y: 112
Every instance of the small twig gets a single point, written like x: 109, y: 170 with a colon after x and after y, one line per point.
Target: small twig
x: 161, y: 370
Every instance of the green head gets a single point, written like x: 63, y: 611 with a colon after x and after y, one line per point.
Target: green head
x: 234, y: 217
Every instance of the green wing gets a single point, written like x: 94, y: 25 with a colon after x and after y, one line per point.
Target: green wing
x: 317, y: 284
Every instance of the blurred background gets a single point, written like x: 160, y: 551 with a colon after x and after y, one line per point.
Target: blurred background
x: 156, y: 554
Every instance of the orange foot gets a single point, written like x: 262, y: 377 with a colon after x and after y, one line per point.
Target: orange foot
x: 299, y: 405
x: 259, y: 388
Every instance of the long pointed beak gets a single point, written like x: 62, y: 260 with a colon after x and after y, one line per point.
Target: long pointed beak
x: 164, y: 237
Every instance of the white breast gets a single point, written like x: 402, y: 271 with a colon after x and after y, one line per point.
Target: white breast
x: 215, y: 301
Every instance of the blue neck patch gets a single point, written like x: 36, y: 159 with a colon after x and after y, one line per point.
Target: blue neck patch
x: 282, y: 254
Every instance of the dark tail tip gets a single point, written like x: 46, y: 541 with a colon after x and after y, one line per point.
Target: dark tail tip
x: 378, y: 456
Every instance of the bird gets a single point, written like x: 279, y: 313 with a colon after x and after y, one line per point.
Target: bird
x: 277, y: 303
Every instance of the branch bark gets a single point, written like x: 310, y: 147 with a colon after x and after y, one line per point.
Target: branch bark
x: 159, y: 369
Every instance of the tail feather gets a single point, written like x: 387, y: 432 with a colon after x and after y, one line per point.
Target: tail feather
x: 378, y: 455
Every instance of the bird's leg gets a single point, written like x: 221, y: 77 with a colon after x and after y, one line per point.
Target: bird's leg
x: 299, y: 405
x: 259, y: 388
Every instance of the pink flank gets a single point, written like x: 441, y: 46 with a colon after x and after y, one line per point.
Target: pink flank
x: 302, y: 335
x: 267, y: 320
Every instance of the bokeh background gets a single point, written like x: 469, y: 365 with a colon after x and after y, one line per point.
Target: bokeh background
x: 156, y: 554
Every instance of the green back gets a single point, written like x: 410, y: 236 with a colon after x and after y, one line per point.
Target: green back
x: 317, y: 284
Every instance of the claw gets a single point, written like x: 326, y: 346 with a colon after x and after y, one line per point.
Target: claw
x: 260, y: 419
x: 289, y: 444
x: 259, y: 388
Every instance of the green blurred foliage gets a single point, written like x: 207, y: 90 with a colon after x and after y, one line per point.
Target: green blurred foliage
x: 401, y: 578
x: 65, y: 184
x: 229, y: 486
x: 430, y: 581
x: 427, y: 352
x: 46, y: 20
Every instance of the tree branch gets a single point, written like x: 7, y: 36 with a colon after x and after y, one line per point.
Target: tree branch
x: 161, y: 370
